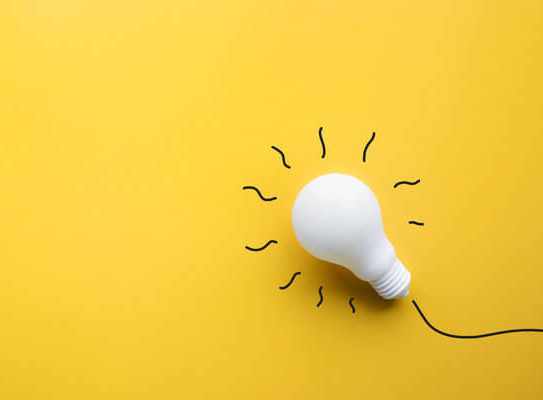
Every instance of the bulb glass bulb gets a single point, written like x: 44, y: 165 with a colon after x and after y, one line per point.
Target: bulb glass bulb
x: 336, y: 218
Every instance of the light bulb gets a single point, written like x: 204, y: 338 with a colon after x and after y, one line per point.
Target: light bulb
x: 336, y: 218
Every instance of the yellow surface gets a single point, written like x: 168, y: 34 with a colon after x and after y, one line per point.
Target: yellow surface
x: 127, y: 130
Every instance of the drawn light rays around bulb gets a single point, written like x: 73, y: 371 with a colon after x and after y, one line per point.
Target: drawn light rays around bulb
x: 259, y: 194
x: 418, y: 223
x: 321, y: 298
x: 352, y: 305
x: 290, y: 281
x: 283, y: 158
x: 367, y: 146
x: 413, y: 183
x: 322, y: 143
x: 261, y: 248
x: 409, y: 183
x: 286, y: 164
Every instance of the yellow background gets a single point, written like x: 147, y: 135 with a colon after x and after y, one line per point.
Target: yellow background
x: 128, y: 128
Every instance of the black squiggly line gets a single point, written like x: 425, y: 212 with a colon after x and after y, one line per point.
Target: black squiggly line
x: 469, y: 336
x: 261, y: 248
x: 282, y: 156
x: 366, y: 147
x: 416, y: 223
x: 290, y: 282
x: 322, y: 143
x: 351, y: 304
x: 406, y: 183
x: 259, y: 194
x: 320, y: 295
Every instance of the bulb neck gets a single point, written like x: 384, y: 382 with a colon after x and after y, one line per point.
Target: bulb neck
x: 394, y: 284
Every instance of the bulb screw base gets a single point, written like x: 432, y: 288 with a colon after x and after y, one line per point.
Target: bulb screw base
x: 394, y: 284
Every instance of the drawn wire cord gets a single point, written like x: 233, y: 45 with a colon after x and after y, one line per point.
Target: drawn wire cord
x: 483, y: 335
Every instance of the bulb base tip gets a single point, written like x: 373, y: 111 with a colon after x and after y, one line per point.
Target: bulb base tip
x: 394, y: 284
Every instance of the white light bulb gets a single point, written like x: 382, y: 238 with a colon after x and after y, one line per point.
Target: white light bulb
x: 336, y: 218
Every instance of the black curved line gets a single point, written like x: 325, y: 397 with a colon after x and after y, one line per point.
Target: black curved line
x: 320, y: 295
x: 291, y: 280
x: 406, y: 183
x: 416, y: 223
x: 351, y: 304
x: 261, y: 248
x: 282, y: 156
x: 322, y: 143
x: 259, y: 194
x: 366, y: 147
x: 469, y: 336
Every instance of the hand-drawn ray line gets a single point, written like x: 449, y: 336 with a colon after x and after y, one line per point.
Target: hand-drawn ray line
x: 416, y: 223
x: 406, y: 183
x: 290, y: 282
x: 259, y: 194
x: 320, y: 297
x: 367, y: 146
x: 351, y: 304
x: 261, y: 248
x: 282, y: 156
x: 469, y: 336
x: 322, y: 143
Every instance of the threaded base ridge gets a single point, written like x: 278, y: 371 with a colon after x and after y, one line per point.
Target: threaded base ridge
x: 394, y: 284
